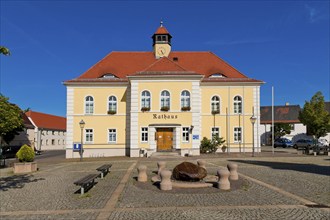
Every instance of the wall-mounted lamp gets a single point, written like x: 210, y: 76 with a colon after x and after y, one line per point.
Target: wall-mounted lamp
x: 191, y: 128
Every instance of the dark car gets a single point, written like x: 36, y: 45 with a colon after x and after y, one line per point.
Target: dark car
x: 10, y: 151
x: 283, y: 142
x: 303, y: 144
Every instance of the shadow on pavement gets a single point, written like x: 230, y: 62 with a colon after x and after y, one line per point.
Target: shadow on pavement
x: 307, y: 168
x: 17, y: 181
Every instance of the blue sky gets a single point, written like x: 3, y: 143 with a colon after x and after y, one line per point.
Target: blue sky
x: 284, y: 43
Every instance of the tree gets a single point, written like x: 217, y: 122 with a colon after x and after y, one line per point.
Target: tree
x: 315, y: 117
x: 11, y: 121
x: 211, y: 146
x: 281, y: 129
x: 4, y: 51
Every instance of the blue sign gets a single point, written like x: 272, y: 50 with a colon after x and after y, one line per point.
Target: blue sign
x: 76, y: 147
x: 195, y: 137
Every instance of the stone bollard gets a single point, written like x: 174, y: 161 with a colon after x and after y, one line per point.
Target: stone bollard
x: 201, y: 163
x: 142, y: 173
x: 223, y: 182
x: 232, y: 167
x: 166, y: 183
x: 161, y: 165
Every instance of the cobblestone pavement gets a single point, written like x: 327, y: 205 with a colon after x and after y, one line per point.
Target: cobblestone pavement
x: 270, y: 187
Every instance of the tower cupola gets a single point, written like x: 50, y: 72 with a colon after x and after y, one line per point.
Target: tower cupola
x: 161, y: 42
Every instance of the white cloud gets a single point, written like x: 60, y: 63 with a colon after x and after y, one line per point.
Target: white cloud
x: 314, y: 14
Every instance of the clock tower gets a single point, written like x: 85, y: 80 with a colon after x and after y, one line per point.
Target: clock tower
x: 161, y: 42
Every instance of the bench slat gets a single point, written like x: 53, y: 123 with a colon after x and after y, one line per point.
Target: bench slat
x: 86, y: 179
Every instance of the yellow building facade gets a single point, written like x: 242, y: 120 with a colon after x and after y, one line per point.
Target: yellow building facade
x: 138, y: 103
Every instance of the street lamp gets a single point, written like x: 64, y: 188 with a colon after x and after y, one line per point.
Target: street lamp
x: 253, y: 120
x: 82, y: 125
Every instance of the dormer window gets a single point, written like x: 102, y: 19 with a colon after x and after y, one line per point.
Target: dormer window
x: 108, y: 75
x: 218, y: 75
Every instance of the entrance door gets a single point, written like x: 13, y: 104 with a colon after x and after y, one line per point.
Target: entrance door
x: 164, y: 139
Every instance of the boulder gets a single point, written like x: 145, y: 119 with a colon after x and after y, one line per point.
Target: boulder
x: 187, y: 171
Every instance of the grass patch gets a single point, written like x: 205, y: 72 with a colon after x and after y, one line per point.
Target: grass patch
x: 85, y: 195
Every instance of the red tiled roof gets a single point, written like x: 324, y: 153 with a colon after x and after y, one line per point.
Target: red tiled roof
x: 123, y: 64
x: 46, y: 121
x: 282, y: 114
x: 163, y: 64
x: 162, y: 30
x: 27, y: 122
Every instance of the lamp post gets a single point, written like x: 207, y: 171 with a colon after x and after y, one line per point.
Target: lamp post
x: 82, y: 125
x: 253, y: 120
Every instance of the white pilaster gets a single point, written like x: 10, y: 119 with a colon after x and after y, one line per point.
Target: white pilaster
x: 69, y: 121
x: 134, y: 101
x: 196, y: 114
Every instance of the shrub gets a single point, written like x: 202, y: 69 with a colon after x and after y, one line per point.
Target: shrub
x: 25, y: 154
x: 211, y: 146
x: 165, y: 108
x: 185, y: 108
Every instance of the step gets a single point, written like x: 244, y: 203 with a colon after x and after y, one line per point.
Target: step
x: 165, y: 155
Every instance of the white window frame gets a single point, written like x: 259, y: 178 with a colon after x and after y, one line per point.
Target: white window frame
x: 90, y: 133
x: 113, y: 132
x: 185, y: 134
x: 185, y: 98
x: 89, y: 105
x: 167, y: 99
x: 112, y: 102
x: 238, y: 105
x: 215, y: 102
x: 144, y: 99
x: 236, y: 132
x: 144, y: 134
x: 212, y: 132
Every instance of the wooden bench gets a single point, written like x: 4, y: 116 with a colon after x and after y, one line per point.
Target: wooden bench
x: 86, y: 182
x: 104, y: 169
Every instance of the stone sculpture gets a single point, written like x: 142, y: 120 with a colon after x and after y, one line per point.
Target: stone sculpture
x: 166, y: 183
x: 161, y: 165
x: 142, y: 173
x: 201, y: 163
x: 232, y: 167
x: 223, y: 182
x: 187, y: 171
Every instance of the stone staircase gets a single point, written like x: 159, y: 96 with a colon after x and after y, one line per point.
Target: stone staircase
x: 165, y: 155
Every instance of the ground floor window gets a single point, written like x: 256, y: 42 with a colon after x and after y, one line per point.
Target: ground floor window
x: 185, y: 134
x: 144, y: 134
x: 237, y: 134
x: 89, y: 135
x: 215, y: 132
x: 112, y: 135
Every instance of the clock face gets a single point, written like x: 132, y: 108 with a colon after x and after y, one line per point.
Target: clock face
x: 161, y: 51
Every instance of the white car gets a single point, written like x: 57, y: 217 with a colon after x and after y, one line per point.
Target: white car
x: 323, y: 142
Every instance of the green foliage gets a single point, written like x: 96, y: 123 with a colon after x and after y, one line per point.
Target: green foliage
x: 315, y: 117
x: 211, y: 146
x: 25, y: 154
x: 11, y: 121
x: 5, y: 51
x: 281, y: 129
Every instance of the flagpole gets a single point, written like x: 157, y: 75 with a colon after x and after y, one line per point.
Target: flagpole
x: 273, y: 119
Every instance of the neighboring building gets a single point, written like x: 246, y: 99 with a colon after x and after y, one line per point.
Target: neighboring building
x: 49, y: 130
x: 284, y: 114
x: 162, y: 100
x: 26, y: 136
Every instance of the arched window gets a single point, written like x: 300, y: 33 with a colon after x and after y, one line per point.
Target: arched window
x: 238, y: 105
x: 165, y: 100
x: 89, y: 105
x: 112, y: 105
x: 145, y: 100
x: 185, y: 99
x: 215, y: 105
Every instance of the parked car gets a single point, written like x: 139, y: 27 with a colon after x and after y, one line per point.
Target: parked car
x: 283, y: 142
x: 323, y: 142
x: 10, y: 151
x: 303, y: 144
